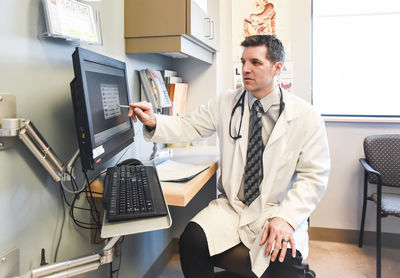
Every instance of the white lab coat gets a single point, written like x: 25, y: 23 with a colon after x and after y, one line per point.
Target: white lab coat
x: 296, y: 168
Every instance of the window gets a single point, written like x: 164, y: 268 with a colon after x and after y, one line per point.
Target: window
x: 356, y: 57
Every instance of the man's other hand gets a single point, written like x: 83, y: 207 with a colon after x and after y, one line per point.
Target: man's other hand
x: 278, y: 231
x: 144, y: 112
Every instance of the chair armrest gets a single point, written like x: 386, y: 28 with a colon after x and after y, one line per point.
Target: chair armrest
x: 369, y: 169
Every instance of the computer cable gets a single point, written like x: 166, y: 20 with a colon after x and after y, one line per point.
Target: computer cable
x: 61, y: 228
x: 64, y: 199
x: 119, y: 248
x: 119, y: 159
x: 74, y: 185
x: 67, y: 202
x: 76, y: 196
x: 92, y: 202
x: 81, y: 224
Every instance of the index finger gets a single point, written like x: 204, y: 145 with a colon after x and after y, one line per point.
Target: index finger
x: 264, y: 235
x: 142, y: 105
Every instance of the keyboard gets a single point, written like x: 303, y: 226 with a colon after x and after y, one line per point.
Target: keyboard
x: 132, y: 192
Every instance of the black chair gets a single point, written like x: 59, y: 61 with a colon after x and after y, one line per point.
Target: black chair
x: 382, y: 168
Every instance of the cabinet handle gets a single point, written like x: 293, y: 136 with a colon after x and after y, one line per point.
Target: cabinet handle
x: 207, y: 27
x: 212, y: 31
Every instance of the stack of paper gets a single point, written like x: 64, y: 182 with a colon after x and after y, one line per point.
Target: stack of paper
x: 173, y: 171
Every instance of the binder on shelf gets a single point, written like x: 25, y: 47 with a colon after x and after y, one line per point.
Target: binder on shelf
x: 178, y: 94
x: 72, y: 20
x: 168, y: 73
x: 153, y: 90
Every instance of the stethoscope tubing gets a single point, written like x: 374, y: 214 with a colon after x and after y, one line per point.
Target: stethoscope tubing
x: 240, y: 104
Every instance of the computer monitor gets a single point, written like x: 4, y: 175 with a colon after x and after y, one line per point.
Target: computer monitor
x: 99, y: 86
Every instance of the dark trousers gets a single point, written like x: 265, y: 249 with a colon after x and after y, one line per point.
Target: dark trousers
x: 197, y: 262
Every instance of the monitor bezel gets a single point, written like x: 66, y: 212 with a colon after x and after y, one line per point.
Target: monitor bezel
x: 83, y: 117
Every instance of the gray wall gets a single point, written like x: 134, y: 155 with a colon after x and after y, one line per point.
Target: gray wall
x: 38, y: 72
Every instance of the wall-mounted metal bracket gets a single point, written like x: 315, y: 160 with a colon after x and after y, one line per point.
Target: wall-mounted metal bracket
x: 8, y: 108
x: 12, y: 128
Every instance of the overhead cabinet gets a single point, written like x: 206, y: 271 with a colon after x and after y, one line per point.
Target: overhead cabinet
x: 177, y: 28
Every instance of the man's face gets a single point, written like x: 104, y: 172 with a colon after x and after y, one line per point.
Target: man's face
x: 258, y: 72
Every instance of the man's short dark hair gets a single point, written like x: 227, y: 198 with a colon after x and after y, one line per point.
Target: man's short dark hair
x: 275, y: 49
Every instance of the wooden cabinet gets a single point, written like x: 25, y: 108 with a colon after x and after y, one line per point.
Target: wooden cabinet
x: 179, y: 27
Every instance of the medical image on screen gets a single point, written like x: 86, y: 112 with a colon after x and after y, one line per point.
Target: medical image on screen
x: 107, y: 89
x: 110, y: 98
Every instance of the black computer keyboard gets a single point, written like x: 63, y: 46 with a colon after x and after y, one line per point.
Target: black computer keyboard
x: 132, y: 192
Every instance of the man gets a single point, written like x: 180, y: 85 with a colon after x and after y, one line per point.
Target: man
x: 274, y: 168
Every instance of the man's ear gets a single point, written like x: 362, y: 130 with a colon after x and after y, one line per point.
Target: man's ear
x: 278, y: 68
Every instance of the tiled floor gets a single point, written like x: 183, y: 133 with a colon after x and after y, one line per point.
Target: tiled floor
x: 332, y: 260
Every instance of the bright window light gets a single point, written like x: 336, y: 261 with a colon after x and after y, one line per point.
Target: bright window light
x: 356, y: 57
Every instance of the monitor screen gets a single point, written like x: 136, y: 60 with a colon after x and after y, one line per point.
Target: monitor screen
x: 99, y: 87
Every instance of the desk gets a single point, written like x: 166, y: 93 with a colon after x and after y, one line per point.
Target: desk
x: 180, y: 193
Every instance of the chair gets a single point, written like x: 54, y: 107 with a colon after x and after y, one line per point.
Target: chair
x: 381, y: 167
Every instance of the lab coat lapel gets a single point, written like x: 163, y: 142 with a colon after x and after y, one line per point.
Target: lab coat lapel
x: 238, y: 149
x: 241, y: 143
x: 279, y: 130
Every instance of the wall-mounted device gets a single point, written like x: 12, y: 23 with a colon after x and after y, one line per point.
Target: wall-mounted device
x: 99, y: 87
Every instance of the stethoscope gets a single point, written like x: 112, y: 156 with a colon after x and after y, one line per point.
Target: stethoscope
x: 240, y: 103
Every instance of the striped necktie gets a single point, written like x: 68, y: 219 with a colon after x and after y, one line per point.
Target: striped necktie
x: 253, y: 171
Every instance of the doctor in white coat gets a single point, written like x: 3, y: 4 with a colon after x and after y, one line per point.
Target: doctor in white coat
x: 292, y: 179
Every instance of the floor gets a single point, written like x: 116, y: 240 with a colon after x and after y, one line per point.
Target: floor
x: 332, y: 260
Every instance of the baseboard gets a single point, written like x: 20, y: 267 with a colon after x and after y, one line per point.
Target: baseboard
x: 351, y: 236
x: 159, y: 265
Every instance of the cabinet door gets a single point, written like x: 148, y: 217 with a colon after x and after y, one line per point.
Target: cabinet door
x: 213, y: 14
x: 197, y: 24
x: 202, y: 24
x: 149, y: 18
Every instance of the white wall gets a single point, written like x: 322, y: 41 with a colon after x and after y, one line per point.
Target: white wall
x: 341, y: 206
